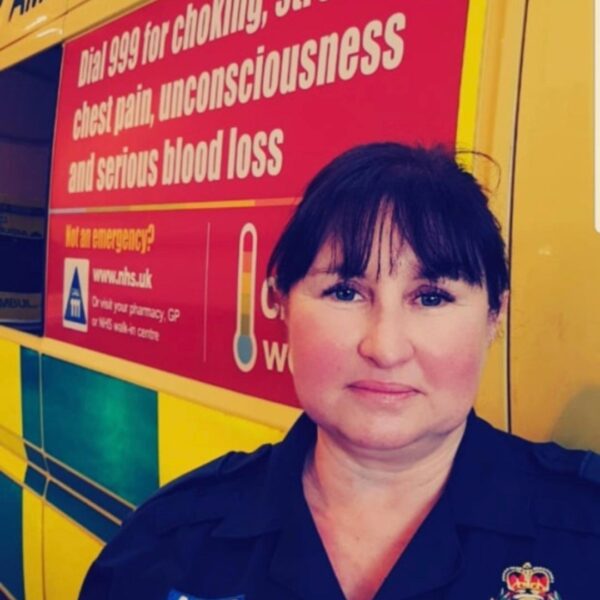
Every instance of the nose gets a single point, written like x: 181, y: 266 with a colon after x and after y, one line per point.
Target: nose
x: 386, y: 340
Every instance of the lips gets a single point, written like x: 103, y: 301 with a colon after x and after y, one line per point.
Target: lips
x: 383, y: 387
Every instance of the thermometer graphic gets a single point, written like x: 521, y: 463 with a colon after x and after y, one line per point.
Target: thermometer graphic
x: 244, y: 340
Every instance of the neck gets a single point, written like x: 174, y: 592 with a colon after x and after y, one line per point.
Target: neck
x: 338, y: 475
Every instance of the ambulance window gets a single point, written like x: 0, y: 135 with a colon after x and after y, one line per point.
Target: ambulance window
x: 27, y: 112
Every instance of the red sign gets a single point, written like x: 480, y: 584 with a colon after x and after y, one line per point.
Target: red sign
x: 184, y: 132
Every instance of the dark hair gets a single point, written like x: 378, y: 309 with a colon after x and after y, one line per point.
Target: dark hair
x: 435, y: 205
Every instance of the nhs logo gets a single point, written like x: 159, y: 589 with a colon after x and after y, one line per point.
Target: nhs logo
x: 76, y: 293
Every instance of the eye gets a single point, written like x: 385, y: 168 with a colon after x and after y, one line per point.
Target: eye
x: 431, y: 298
x: 343, y: 292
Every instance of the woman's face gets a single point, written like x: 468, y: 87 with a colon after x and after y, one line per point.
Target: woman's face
x: 390, y: 361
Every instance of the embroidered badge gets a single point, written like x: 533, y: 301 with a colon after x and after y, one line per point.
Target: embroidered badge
x: 175, y: 595
x: 527, y: 583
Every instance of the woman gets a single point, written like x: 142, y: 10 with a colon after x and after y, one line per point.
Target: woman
x: 392, y: 278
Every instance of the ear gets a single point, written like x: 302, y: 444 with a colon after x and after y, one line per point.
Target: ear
x: 284, y: 312
x: 277, y: 299
x: 497, y: 319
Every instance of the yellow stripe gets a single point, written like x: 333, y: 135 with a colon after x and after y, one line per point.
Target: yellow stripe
x: 32, y: 545
x: 68, y: 553
x: 18, y: 23
x: 470, y: 79
x: 12, y: 465
x: 13, y: 443
x: 70, y: 17
x: 50, y: 34
x: 173, y: 206
x: 190, y: 434
x: 10, y: 384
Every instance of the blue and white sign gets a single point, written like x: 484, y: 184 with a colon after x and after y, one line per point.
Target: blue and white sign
x: 76, y: 293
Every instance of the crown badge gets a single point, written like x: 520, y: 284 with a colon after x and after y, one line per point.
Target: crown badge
x: 527, y: 583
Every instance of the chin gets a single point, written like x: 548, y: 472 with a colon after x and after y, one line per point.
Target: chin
x: 387, y: 434
x: 369, y: 436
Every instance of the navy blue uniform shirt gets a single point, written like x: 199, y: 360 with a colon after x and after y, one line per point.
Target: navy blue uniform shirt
x: 514, y: 518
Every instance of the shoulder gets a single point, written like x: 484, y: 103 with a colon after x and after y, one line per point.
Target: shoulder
x: 542, y: 486
x: 208, y: 492
x: 171, y: 522
x: 564, y: 484
x: 567, y: 488
x: 545, y: 459
x: 230, y: 467
x: 187, y: 507
x: 205, y: 494
x: 583, y: 465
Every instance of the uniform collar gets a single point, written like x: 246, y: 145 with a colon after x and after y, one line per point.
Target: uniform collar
x: 491, y: 485
x: 277, y: 503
